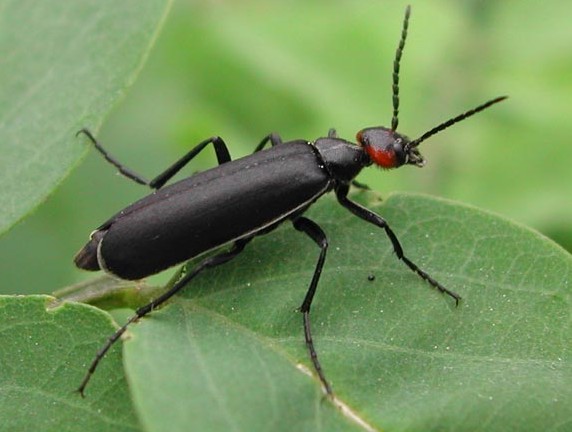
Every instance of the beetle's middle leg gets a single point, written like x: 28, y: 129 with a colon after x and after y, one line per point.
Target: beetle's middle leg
x: 313, y: 231
x: 272, y: 138
x: 211, y: 261
x: 221, y: 150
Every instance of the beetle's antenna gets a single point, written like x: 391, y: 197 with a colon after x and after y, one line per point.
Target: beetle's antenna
x: 398, y: 53
x: 454, y: 120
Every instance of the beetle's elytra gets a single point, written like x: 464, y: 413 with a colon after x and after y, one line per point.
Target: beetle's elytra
x: 239, y: 200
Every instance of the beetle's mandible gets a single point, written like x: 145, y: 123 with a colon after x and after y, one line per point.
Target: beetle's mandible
x: 245, y: 198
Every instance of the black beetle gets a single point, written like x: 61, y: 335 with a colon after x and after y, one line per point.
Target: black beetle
x: 238, y: 200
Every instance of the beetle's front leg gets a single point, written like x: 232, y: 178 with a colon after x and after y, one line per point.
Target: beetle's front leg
x: 371, y: 217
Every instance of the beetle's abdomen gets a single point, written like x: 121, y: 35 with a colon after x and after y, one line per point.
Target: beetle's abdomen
x: 232, y: 201
x: 86, y: 258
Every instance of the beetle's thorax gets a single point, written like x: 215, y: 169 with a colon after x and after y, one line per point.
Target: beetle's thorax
x: 343, y: 160
x: 388, y: 149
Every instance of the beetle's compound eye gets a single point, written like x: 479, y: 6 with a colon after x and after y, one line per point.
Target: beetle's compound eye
x: 384, y: 146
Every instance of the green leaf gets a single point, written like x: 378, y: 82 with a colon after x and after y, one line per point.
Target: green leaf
x: 64, y: 64
x: 44, y: 355
x: 225, y: 355
x: 229, y: 353
x: 192, y: 368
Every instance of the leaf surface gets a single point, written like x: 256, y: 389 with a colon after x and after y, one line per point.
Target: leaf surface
x: 225, y: 355
x: 45, y: 353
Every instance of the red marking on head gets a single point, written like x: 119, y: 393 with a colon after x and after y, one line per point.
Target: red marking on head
x: 384, y: 158
x: 378, y: 143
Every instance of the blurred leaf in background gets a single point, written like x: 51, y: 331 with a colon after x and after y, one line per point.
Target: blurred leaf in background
x: 299, y: 68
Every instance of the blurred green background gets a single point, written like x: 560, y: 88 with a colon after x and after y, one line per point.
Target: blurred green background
x: 242, y: 70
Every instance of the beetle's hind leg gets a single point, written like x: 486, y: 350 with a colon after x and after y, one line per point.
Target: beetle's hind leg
x: 221, y: 150
x: 120, y: 167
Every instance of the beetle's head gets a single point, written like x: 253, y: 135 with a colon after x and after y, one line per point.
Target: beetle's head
x: 386, y: 147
